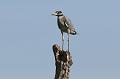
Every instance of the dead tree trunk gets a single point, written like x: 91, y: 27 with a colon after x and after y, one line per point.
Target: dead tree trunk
x: 63, y: 61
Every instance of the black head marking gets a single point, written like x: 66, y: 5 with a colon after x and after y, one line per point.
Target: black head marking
x: 58, y: 13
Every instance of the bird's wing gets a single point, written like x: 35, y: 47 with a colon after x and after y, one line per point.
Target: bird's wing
x: 69, y: 24
x: 66, y: 22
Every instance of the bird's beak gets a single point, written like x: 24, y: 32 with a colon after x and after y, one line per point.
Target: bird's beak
x: 54, y: 14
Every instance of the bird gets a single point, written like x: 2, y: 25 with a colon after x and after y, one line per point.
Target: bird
x: 65, y: 25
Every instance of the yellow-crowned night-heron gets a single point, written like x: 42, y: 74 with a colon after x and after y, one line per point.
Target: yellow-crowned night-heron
x: 64, y: 25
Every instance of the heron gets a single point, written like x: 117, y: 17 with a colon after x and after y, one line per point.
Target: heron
x: 65, y: 25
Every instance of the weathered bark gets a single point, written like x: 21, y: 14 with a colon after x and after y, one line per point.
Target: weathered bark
x: 63, y: 61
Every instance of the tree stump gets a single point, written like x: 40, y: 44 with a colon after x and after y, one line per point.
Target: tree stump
x: 63, y: 61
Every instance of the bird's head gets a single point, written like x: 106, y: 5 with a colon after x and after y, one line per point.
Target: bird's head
x: 57, y: 13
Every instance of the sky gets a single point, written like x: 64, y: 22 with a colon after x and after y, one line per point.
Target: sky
x: 28, y: 31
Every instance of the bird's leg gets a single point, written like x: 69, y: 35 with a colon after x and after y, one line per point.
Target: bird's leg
x: 62, y: 40
x: 68, y: 39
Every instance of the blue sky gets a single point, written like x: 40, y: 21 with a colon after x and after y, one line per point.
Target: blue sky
x: 28, y: 31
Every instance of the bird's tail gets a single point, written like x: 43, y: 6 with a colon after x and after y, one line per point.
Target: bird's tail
x: 73, y: 32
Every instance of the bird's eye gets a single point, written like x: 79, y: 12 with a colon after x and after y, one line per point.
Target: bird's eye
x: 60, y: 12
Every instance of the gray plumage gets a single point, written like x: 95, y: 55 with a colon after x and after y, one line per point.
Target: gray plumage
x: 64, y: 25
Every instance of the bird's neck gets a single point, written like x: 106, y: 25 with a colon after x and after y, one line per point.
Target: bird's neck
x: 59, y: 16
